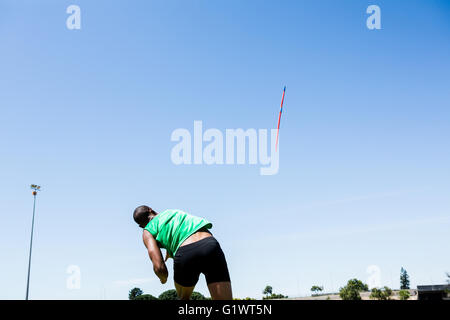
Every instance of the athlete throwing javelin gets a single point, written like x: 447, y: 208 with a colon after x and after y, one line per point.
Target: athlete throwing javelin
x: 194, y: 250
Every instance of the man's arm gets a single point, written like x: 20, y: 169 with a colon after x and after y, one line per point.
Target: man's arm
x: 155, y: 255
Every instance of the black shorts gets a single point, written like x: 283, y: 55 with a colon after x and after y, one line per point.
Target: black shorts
x: 204, y: 256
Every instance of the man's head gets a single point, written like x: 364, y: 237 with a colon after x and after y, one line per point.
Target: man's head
x: 143, y: 214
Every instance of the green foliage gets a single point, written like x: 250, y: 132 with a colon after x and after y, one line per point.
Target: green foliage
x: 172, y: 295
x: 145, y: 297
x: 198, y: 296
x: 134, y: 293
x: 247, y: 298
x: 267, y: 290
x: 169, y: 295
x: 352, y: 289
x: 274, y: 296
x: 404, y: 279
x: 358, y: 284
x: 404, y: 294
x: 270, y: 295
x: 387, y: 291
x: 347, y: 293
x: 316, y: 289
x: 381, y: 294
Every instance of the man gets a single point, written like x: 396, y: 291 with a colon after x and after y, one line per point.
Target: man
x: 193, y: 248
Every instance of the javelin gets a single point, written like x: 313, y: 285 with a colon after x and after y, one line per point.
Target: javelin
x: 279, y: 117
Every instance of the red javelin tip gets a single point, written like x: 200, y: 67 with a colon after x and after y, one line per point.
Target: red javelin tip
x: 279, y: 117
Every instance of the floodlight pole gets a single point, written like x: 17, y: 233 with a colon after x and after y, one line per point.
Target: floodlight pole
x: 35, y: 190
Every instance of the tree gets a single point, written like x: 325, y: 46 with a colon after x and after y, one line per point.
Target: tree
x: 198, y: 296
x: 275, y: 296
x: 348, y: 293
x: 134, y: 293
x: 316, y: 290
x: 145, y: 297
x: 381, y: 294
x: 168, y: 295
x: 404, y: 294
x: 267, y: 290
x: 448, y: 277
x: 404, y: 279
x: 269, y: 295
x: 358, y: 284
x: 172, y: 295
x: 352, y: 289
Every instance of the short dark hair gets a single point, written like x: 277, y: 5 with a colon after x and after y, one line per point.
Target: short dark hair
x: 141, y: 213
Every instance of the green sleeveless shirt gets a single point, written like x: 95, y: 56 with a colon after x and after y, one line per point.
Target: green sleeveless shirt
x: 171, y: 227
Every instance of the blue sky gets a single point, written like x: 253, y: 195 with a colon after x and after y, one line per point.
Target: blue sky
x: 87, y: 114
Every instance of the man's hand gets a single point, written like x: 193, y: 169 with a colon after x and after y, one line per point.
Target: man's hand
x: 163, y: 279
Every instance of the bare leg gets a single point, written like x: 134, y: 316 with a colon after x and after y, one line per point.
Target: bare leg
x: 220, y: 290
x: 184, y: 293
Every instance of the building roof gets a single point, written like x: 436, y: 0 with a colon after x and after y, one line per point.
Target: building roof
x: 437, y: 287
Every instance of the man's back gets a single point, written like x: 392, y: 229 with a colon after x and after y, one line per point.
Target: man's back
x: 171, y: 228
